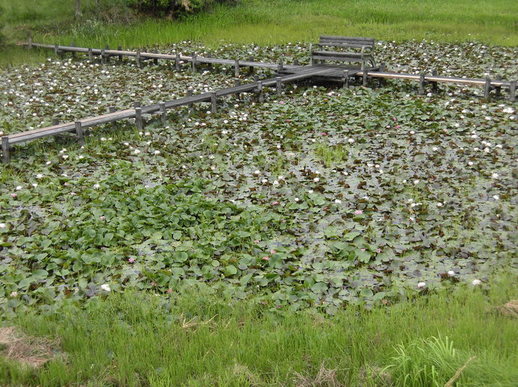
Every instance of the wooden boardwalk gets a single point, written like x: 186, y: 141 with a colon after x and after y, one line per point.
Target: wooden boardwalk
x: 285, y: 74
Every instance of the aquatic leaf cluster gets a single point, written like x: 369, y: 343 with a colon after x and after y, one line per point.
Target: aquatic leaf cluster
x: 322, y: 197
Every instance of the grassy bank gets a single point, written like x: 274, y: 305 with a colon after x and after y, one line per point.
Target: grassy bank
x: 136, y: 339
x: 275, y: 22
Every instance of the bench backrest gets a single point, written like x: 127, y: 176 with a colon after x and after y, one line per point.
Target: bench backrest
x: 347, y: 42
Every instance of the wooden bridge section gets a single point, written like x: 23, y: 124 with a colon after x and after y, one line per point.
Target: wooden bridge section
x: 318, y: 70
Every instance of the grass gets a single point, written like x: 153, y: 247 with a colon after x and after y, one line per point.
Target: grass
x: 138, y: 339
x: 275, y: 22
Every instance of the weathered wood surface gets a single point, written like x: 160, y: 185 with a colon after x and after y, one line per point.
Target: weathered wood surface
x: 161, y: 107
x: 152, y: 55
x: 290, y: 73
x: 359, y: 50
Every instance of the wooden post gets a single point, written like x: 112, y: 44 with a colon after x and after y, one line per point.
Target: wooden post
x: 120, y: 56
x: 163, y: 113
x: 278, y: 81
x: 6, y: 149
x: 213, y: 102
x: 421, y: 83
x: 498, y: 89
x: 236, y: 68
x: 311, y: 60
x: 346, y: 79
x: 90, y: 55
x: 111, y: 109
x: 252, y: 68
x: 55, y: 122
x: 364, y: 72
x: 73, y: 53
x: 209, y: 65
x: 189, y: 94
x: 512, y: 91
x: 383, y: 68
x: 103, y: 57
x: 56, y: 49
x: 79, y: 133
x: 177, y: 62
x: 139, y: 60
x: 193, y: 63
x: 29, y: 42
x: 280, y: 66
x: 260, y: 91
x: 487, y: 88
x: 106, y: 56
x: 435, y: 86
x: 138, y: 118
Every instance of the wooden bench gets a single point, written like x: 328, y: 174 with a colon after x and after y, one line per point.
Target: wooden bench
x: 344, y: 49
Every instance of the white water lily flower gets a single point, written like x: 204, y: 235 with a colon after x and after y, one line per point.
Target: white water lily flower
x: 439, y: 204
x: 494, y: 175
x: 97, y: 186
x: 338, y: 201
x: 3, y: 225
x: 19, y: 187
x: 476, y: 282
x: 39, y: 176
x: 106, y: 287
x: 421, y: 285
x: 451, y: 273
x: 136, y: 151
x: 496, y: 197
x: 157, y: 152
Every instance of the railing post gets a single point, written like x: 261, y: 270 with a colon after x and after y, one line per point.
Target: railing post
x: 236, y: 68
x: 163, y: 113
x: 120, y: 55
x: 346, y: 79
x: 103, y: 57
x: 6, y: 149
x: 487, y: 87
x: 193, y: 63
x: 139, y: 60
x: 498, y: 89
x: 252, y: 68
x: 278, y: 81
x: 29, y: 42
x: 364, y: 73
x: 213, y: 102
x: 177, y: 62
x: 139, y: 122
x: 260, y: 91
x: 512, y: 91
x: 435, y: 86
x: 189, y: 94
x: 280, y: 66
x: 79, y: 133
x: 421, y: 83
x: 90, y: 55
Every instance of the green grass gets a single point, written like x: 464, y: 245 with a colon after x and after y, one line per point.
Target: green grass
x: 281, y: 21
x: 137, y: 339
